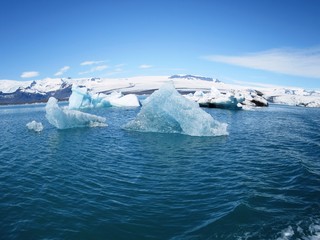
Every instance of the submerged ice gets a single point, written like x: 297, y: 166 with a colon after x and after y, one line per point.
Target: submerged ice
x: 66, y: 118
x: 166, y: 111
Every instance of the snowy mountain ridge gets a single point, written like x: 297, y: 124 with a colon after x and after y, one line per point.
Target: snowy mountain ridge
x: 18, y: 92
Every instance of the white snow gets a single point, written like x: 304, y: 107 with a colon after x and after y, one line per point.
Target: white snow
x: 166, y: 111
x: 39, y: 86
x: 10, y: 86
x: 35, y: 126
x: 66, y: 118
x: 97, y: 86
x: 130, y: 100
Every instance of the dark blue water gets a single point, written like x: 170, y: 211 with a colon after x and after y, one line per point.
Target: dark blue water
x: 260, y: 182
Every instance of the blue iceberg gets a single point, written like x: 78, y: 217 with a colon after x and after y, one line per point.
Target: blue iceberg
x: 66, y: 118
x: 166, y: 111
x: 79, y: 98
x: 82, y: 98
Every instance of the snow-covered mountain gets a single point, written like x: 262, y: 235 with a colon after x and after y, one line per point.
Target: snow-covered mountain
x: 19, y: 92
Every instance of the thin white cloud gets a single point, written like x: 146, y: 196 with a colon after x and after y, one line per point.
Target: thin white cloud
x: 95, y: 69
x: 145, y: 66
x: 297, y: 62
x: 62, y: 71
x: 86, y: 63
x: 99, y: 68
x: 29, y: 74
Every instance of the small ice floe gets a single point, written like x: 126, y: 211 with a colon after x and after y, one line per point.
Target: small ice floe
x: 35, y: 126
x: 66, y: 118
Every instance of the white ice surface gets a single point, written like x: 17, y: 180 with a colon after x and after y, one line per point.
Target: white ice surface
x: 147, y: 83
x: 66, y: 118
x: 166, y: 111
x: 77, y: 97
x: 35, y: 126
x: 82, y: 98
x: 130, y: 100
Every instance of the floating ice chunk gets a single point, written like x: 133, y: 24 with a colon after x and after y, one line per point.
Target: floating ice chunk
x: 82, y: 98
x: 79, y: 98
x: 166, y: 111
x: 296, y: 100
x: 217, y: 99
x: 35, y: 126
x: 130, y: 100
x: 65, y: 118
x: 229, y: 99
x: 227, y: 102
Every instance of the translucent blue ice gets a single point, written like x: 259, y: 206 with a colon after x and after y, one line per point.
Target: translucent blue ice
x: 82, y: 98
x: 66, y: 118
x: 166, y: 111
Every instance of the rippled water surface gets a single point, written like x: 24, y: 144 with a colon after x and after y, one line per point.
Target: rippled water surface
x: 260, y: 182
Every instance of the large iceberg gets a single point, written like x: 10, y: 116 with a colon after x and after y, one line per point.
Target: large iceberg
x: 66, y: 118
x: 166, y: 111
x: 81, y: 97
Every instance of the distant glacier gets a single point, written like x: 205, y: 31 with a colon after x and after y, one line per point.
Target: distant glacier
x: 199, y: 89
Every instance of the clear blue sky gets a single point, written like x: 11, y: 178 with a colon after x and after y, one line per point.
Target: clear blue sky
x: 266, y: 41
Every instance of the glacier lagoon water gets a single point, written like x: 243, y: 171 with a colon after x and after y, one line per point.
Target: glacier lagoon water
x: 262, y: 181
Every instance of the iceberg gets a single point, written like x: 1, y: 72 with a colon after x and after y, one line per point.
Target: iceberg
x: 228, y: 99
x: 35, y: 126
x: 298, y: 97
x: 82, y: 98
x: 166, y: 111
x: 66, y: 118
x: 79, y: 98
x: 216, y: 99
x: 130, y: 100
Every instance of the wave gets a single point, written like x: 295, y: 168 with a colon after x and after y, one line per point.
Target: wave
x: 228, y: 226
